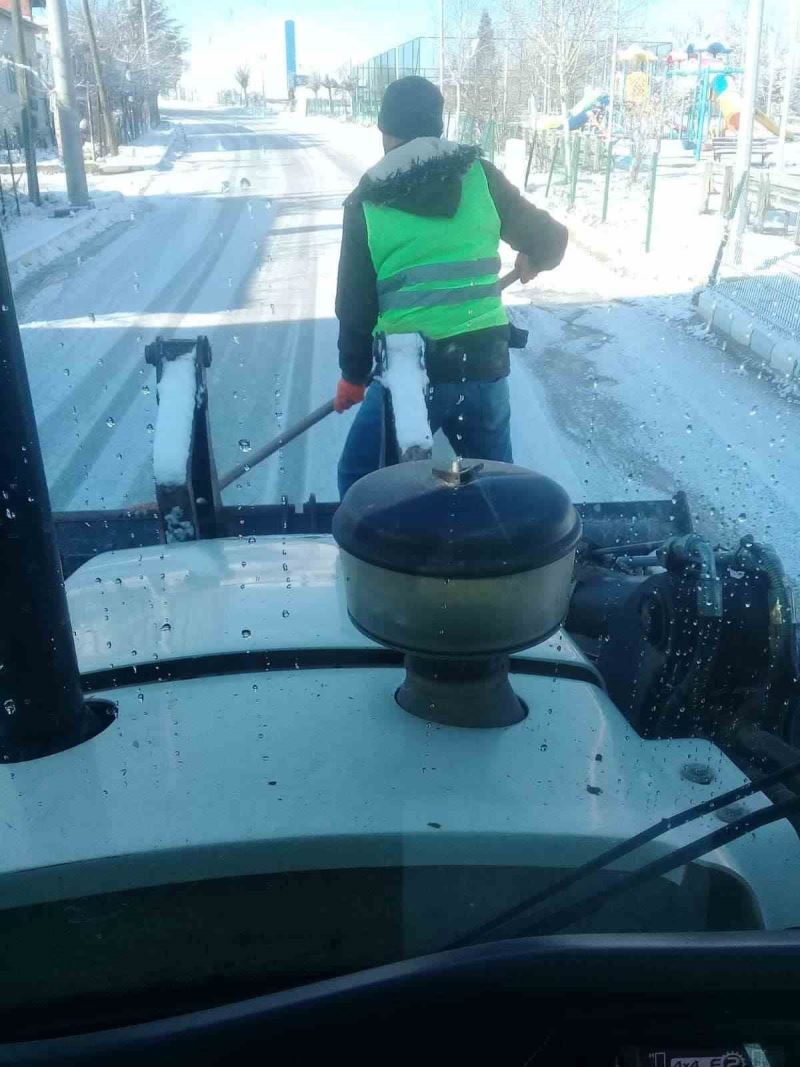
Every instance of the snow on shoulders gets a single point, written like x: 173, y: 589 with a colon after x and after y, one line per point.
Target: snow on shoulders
x: 176, y: 404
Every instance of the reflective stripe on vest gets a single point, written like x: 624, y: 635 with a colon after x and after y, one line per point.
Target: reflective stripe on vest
x: 439, y: 272
x: 438, y: 276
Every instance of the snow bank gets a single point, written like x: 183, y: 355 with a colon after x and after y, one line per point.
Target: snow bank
x: 37, y: 239
x: 406, y: 380
x: 173, y: 436
x: 144, y: 153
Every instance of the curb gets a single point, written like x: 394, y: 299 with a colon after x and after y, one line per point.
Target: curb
x: 779, y: 353
x: 137, y: 168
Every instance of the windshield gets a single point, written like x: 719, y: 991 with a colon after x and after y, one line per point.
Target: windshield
x: 520, y: 285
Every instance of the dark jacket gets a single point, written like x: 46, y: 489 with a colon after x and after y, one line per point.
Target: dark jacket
x: 423, y: 177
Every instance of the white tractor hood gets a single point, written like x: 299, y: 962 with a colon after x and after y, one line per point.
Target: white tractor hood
x: 287, y: 769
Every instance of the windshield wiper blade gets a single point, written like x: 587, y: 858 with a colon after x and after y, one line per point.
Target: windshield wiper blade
x: 523, y: 914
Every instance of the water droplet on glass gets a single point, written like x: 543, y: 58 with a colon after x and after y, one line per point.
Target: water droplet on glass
x: 140, y: 697
x: 146, y: 389
x: 244, y: 445
x: 111, y: 421
x: 246, y: 634
x: 9, y: 706
x: 285, y: 613
x: 165, y: 628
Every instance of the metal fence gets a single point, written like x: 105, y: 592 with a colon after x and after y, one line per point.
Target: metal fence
x: 488, y: 134
x: 762, y: 273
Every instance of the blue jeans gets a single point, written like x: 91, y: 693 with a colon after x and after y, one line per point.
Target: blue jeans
x: 475, y: 416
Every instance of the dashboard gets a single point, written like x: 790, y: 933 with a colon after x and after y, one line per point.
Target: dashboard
x: 693, y: 1000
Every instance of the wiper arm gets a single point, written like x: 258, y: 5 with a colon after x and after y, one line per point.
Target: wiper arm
x: 520, y: 920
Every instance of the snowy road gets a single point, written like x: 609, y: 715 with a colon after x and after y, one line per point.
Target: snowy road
x: 615, y: 397
x: 238, y: 240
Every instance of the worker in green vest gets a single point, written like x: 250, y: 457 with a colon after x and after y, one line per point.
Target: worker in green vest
x: 420, y: 254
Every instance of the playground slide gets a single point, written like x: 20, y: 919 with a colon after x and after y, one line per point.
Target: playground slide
x: 580, y: 113
x: 729, y: 102
x: 767, y: 123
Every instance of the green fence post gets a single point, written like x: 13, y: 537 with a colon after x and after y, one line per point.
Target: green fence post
x: 530, y: 160
x: 607, y: 182
x: 651, y: 200
x: 552, y: 167
x: 576, y: 162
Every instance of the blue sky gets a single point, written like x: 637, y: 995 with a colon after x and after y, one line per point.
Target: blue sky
x: 328, y: 33
x: 224, y: 33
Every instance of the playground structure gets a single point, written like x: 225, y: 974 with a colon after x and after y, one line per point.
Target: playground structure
x: 593, y: 103
x: 714, y: 101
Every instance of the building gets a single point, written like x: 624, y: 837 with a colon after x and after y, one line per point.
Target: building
x: 38, y: 52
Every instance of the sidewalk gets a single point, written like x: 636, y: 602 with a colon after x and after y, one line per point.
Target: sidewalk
x: 37, y: 237
x: 683, y: 247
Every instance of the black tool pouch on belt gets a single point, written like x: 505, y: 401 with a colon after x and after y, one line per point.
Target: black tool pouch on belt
x: 468, y: 358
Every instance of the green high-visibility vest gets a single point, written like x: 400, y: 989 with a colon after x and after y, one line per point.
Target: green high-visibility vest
x: 438, y: 276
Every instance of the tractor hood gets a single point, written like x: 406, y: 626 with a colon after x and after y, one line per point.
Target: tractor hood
x: 281, y: 747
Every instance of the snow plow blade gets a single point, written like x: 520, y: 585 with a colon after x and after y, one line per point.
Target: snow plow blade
x: 189, y: 505
x: 82, y: 535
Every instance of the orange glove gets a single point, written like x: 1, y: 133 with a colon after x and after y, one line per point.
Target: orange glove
x: 347, y: 395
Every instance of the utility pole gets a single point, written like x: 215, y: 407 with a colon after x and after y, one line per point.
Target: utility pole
x: 613, y: 81
x: 24, y: 93
x: 788, y: 81
x: 66, y: 104
x: 611, y: 95
x: 441, y: 46
x: 145, y: 36
x: 105, y: 110
x: 744, y: 146
x: 152, y: 95
x: 505, y: 82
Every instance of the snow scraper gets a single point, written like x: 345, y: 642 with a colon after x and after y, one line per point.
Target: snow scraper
x: 326, y: 409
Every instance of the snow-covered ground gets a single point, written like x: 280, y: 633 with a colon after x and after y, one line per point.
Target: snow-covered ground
x: 618, y: 395
x: 41, y: 235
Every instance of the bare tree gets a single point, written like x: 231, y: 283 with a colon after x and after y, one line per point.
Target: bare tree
x: 562, y: 34
x: 242, y: 75
x: 315, y: 83
x: 460, y: 42
x: 141, y: 46
x: 348, y: 83
x: 105, y: 110
x: 329, y: 84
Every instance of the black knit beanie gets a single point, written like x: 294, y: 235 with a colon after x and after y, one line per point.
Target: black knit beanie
x: 411, y: 107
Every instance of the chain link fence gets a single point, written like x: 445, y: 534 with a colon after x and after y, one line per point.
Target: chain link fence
x: 488, y: 134
x: 761, y: 271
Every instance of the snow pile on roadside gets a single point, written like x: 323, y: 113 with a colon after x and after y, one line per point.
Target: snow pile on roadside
x: 146, y: 152
x: 406, y: 380
x: 37, y: 238
x: 173, y: 436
